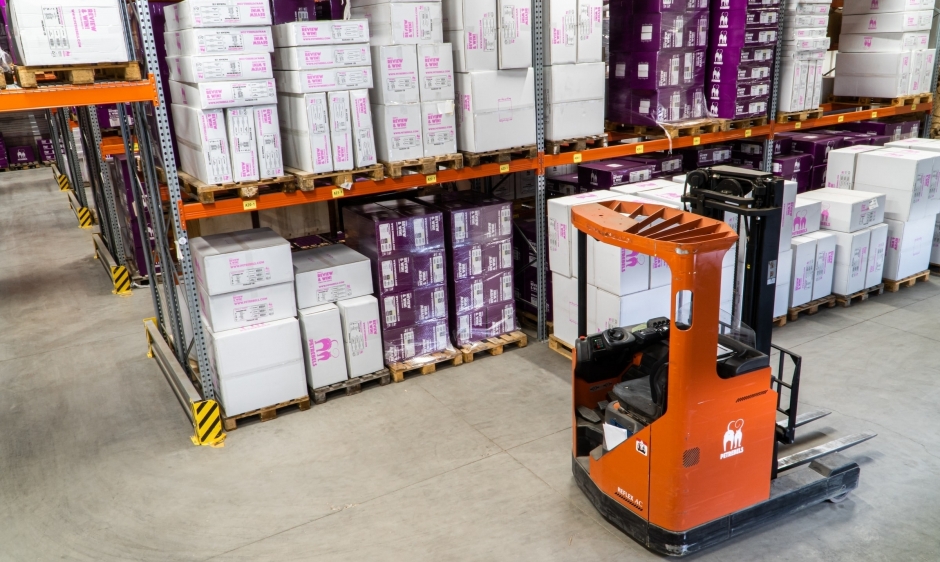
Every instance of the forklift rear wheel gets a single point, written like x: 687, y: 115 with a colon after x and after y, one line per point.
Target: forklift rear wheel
x: 840, y: 498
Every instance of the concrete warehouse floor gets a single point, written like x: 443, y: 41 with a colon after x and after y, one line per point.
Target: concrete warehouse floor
x: 471, y: 463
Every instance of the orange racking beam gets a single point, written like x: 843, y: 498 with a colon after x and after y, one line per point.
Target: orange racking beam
x: 49, y: 97
x: 851, y: 117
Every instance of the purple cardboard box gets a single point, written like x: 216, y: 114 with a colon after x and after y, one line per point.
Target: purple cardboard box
x: 705, y: 156
x: 650, y: 70
x: 739, y: 91
x: 610, y: 173
x: 744, y: 16
x: 474, y: 293
x: 745, y: 37
x: 803, y: 180
x: 782, y: 145
x: 528, y: 297
x: 471, y: 218
x: 377, y: 231
x: 656, y: 6
x: 427, y: 223
x: 650, y: 107
x: 817, y: 145
x: 482, y: 259
x: 659, y: 31
x: 910, y: 129
x: 733, y: 57
x: 286, y: 11
x: 501, y: 318
x: 21, y: 155
x: 568, y: 184
x: 404, y: 273
x: 401, y: 344
x: 818, y: 179
x: 788, y: 164
x: 880, y: 140
x: 331, y: 9
x: 739, y: 108
x: 470, y: 326
x: 892, y: 130
x: 753, y: 161
x: 746, y: 72
x: 738, y: 5
x: 664, y: 163
x: 412, y: 307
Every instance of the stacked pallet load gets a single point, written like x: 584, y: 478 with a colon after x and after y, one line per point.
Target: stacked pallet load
x: 741, y: 57
x: 883, y: 49
x: 479, y: 240
x: 657, y: 61
x: 335, y: 296
x: 323, y: 79
x: 404, y: 242
x: 805, y: 42
x: 129, y: 215
x: 245, y: 282
x: 574, y: 69
x: 222, y: 91
x: 46, y: 150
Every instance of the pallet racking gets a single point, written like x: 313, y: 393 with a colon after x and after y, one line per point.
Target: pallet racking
x: 149, y: 137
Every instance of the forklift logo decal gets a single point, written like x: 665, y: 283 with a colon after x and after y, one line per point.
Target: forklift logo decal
x: 733, y: 439
x: 642, y: 448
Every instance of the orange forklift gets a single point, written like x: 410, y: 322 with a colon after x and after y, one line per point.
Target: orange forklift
x: 675, y: 426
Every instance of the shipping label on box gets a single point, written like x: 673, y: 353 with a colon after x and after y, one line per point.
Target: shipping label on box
x: 561, y: 32
x: 244, y: 147
x: 590, y: 30
x: 825, y: 263
x: 320, y: 327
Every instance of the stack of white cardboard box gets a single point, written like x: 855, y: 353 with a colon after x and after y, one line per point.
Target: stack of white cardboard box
x: 495, y: 82
x: 245, y: 282
x: 575, y: 75
x: 324, y: 73
x: 413, y: 101
x: 883, y: 48
x: 804, y: 51
x: 334, y: 296
x: 907, y: 172
x: 222, y: 90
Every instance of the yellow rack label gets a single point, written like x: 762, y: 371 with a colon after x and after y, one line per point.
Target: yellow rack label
x: 696, y: 141
x: 430, y: 178
x: 504, y: 168
x: 639, y: 149
x: 338, y: 192
x: 251, y: 205
x: 748, y: 133
x: 577, y: 157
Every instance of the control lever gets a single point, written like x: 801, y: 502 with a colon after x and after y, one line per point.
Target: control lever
x: 610, y: 353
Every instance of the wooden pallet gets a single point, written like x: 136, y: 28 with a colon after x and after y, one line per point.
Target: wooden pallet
x: 575, y: 145
x: 79, y: 74
x: 351, y: 386
x: 780, y: 321
x: 424, y: 166
x: 308, y: 181
x: 265, y: 414
x: 425, y: 365
x: 503, y: 156
x: 560, y: 347
x: 690, y: 128
x: 30, y: 166
x: 861, y: 296
x: 741, y: 124
x: 900, y: 101
x: 493, y: 346
x: 532, y: 320
x: 791, y: 116
x: 811, y: 307
x: 895, y: 286
x: 206, y: 194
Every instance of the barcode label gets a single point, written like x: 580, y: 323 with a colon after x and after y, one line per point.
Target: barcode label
x: 478, y: 293
x: 440, y: 335
x: 505, y: 222
x: 505, y: 260
x: 643, y: 70
x: 437, y: 268
x: 460, y: 227
x: 388, y: 274
x: 509, y: 321
x: 507, y: 287
x: 385, y: 238
x: 408, y: 342
x: 439, y: 303
x: 463, y: 328
x: 421, y: 238
x: 391, y: 311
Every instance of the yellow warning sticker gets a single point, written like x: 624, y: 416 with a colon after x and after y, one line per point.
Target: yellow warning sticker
x: 696, y: 141
x: 121, y: 279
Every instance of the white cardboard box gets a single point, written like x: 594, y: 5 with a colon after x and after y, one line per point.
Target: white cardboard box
x: 565, y: 308
x: 329, y: 274
x: 398, y: 132
x: 784, y: 279
x: 515, y: 34
x: 203, y: 143
x: 319, y: 57
x: 473, y: 33
x: 326, y: 80
x: 439, y: 123
x: 619, y: 271
x: 877, y: 248
x: 613, y: 311
x: 803, y: 270
x: 873, y: 74
x: 396, y: 74
x: 270, y: 143
x: 851, y: 261
x: 243, y: 147
x: 341, y: 130
x: 806, y: 216
x: 321, y: 32
x: 909, y: 247
x: 787, y: 215
x: 590, y: 30
x: 929, y: 145
x: 247, y: 307
x: 67, y: 31
x: 574, y: 82
x: 496, y: 109
x: 895, y: 22
x: 794, y: 75
x: 219, y: 40
x: 561, y: 31
x: 363, y: 130
x: 436, y: 72
x: 403, y: 23
x: 219, y: 95
x: 257, y: 366
x: 853, y: 7
x: 217, y: 13
x: 219, y: 68
x: 825, y: 263
x: 362, y: 335
x: 574, y: 119
x: 840, y: 172
x: 904, y: 176
x: 235, y: 261
x: 882, y: 42
x: 562, y: 238
x: 935, y: 251
x: 309, y: 147
x: 848, y: 210
x: 324, y: 354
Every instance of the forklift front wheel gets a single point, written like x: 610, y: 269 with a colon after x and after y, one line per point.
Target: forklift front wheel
x: 840, y: 498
